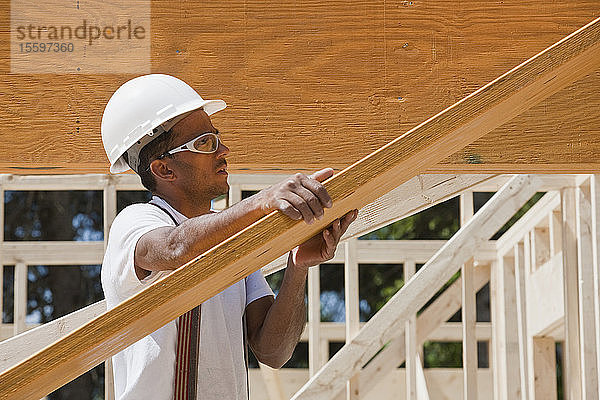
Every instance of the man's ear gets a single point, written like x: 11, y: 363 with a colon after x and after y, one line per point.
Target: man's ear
x: 161, y: 171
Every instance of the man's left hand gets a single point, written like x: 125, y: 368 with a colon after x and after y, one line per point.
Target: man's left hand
x: 321, y: 247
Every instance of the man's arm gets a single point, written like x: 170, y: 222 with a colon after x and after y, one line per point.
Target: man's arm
x: 275, y: 325
x: 167, y: 248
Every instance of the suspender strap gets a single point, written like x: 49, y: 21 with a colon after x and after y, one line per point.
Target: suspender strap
x: 188, y: 346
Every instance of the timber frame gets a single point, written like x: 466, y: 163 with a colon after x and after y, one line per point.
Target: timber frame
x: 355, y: 187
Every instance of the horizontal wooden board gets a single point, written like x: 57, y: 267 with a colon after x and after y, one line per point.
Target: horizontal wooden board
x: 322, y: 83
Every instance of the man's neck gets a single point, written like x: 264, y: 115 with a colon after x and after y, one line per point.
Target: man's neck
x: 185, y: 207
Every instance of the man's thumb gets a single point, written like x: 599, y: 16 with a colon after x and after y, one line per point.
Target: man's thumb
x: 323, y: 174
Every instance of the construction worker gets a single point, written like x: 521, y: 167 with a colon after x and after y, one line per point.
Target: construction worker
x: 160, y: 127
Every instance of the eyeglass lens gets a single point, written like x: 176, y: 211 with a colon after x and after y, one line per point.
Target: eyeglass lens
x: 207, y: 143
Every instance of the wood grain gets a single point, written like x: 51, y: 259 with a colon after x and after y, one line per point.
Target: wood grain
x: 275, y: 234
x: 333, y: 80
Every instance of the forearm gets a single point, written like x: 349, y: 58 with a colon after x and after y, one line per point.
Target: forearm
x: 285, y: 320
x: 196, y: 235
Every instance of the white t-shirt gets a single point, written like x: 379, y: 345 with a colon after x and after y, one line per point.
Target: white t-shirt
x: 146, y: 369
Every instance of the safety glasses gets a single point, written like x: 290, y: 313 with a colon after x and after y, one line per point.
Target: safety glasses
x: 206, y: 143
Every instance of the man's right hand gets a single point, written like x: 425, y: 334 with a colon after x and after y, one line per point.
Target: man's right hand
x: 299, y: 197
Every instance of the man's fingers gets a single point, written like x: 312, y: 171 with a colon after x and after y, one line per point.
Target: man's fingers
x: 347, y: 219
x: 302, y: 206
x: 313, y: 202
x: 318, y: 190
x: 288, y: 209
x: 323, y: 174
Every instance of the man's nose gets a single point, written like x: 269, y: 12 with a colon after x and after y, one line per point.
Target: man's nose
x: 223, y: 150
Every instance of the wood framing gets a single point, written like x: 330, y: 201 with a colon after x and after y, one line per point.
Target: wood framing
x: 335, y: 72
x: 428, y: 143
x: 468, y: 310
x: 572, y: 357
x: 428, y: 322
x: 384, y: 325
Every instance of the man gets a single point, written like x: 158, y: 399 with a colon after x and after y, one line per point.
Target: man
x: 181, y: 159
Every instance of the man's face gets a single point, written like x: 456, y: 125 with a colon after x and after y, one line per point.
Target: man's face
x: 201, y: 175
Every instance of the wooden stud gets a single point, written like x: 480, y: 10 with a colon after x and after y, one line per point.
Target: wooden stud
x: 487, y: 108
x: 555, y: 232
x: 595, y: 197
x: 314, y: 321
x: 410, y: 340
x: 521, y: 269
x: 544, y: 360
x: 585, y: 275
x: 506, y: 369
x: 422, y: 392
x: 20, y: 299
x: 572, y: 358
x: 351, y: 304
x: 109, y: 212
x: 272, y: 382
x: 468, y: 310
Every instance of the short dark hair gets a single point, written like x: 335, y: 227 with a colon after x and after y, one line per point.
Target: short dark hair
x: 150, y: 152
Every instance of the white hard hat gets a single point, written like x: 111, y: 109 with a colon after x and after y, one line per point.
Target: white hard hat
x: 143, y: 108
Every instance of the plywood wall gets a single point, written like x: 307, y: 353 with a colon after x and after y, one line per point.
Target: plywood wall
x: 321, y: 83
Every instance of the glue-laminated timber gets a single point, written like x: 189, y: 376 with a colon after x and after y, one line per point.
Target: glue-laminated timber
x: 330, y: 72
x: 384, y: 325
x: 495, y: 103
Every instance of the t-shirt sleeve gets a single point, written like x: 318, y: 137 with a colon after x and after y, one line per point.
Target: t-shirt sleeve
x: 256, y: 287
x: 119, y: 279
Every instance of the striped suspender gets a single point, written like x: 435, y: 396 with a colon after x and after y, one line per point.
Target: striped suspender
x: 188, y: 343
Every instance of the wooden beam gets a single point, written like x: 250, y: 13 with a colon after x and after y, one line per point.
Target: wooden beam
x: 384, y: 325
x: 20, y: 347
x: 410, y: 340
x: 352, y: 312
x: 572, y: 359
x: 468, y: 310
x: 506, y: 370
x: 272, y: 381
x: 315, y: 358
x: 595, y: 196
x: 585, y: 273
x: 292, y: 65
x: 363, y: 182
x: 522, y: 259
x: 544, y: 361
